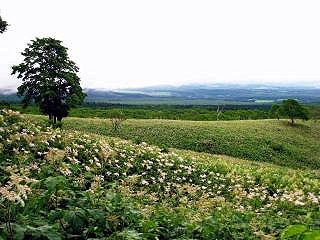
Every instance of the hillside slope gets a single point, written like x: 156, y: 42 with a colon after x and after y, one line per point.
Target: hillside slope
x: 61, y: 184
x: 258, y: 140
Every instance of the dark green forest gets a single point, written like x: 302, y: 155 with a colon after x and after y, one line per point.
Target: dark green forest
x: 167, y: 111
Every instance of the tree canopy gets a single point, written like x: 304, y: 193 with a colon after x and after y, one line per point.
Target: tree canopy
x: 3, y: 25
x: 294, y: 110
x: 49, y: 78
x: 276, y: 110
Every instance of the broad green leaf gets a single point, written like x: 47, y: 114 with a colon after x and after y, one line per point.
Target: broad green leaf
x: 293, y: 230
x: 314, y: 235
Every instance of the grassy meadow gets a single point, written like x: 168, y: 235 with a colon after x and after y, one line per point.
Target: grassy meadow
x: 67, y: 184
x: 273, y: 141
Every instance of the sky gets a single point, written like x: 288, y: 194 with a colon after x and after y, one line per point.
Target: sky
x: 127, y: 44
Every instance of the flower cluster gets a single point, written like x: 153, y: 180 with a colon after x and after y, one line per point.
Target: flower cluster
x: 30, y: 153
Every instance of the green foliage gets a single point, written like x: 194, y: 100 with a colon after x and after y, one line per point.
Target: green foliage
x: 276, y: 110
x: 294, y: 110
x: 196, y: 113
x: 59, y: 184
x: 293, y: 230
x: 3, y: 25
x: 228, y: 225
x: 314, y: 112
x: 49, y: 78
x: 259, y: 140
x: 116, y: 119
x: 5, y: 104
x: 300, y: 232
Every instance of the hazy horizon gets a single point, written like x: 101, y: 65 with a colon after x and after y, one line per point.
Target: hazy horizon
x: 132, y: 44
x: 298, y: 85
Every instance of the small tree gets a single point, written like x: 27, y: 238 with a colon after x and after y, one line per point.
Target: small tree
x: 49, y: 78
x: 294, y: 110
x: 3, y: 25
x: 116, y: 118
x: 276, y: 110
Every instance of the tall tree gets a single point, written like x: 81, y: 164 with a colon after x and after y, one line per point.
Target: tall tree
x: 49, y: 78
x: 3, y: 25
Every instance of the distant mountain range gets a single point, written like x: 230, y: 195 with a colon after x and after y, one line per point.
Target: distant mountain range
x: 199, y: 94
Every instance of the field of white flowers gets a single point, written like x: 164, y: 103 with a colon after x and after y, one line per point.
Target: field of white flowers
x: 57, y: 184
x: 273, y: 141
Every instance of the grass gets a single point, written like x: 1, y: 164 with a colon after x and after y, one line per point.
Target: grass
x: 270, y: 141
x: 64, y: 184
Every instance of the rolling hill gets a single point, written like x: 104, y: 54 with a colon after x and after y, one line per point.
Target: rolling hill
x: 269, y: 141
x: 61, y: 183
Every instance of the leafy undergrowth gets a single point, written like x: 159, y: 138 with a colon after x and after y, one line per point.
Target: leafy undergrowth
x: 270, y: 141
x: 58, y: 184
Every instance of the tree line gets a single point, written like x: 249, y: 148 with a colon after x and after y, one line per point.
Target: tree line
x: 195, y: 114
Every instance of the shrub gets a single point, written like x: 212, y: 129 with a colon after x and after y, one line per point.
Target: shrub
x: 116, y: 118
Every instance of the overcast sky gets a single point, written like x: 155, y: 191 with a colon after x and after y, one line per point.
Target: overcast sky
x: 133, y: 43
